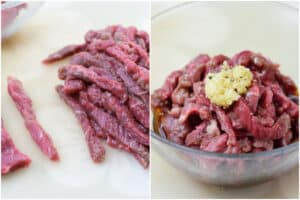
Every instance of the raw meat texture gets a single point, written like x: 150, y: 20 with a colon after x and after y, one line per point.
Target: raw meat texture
x: 264, y: 118
x: 11, y: 158
x: 110, y: 125
x: 96, y: 149
x: 24, y: 105
x: 139, y: 110
x: 64, y: 52
x: 82, y: 73
x: 106, y: 84
x: 111, y: 103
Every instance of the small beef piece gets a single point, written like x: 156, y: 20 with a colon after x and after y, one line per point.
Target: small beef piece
x: 179, y: 95
x: 112, y: 104
x: 167, y: 89
x: 139, y: 110
x: 116, y: 144
x: 278, y: 130
x: 252, y: 97
x: 194, y: 138
x: 11, y: 158
x: 245, y: 145
x: 193, y: 108
x: 132, y: 86
x: 226, y: 124
x: 64, y: 52
x: 110, y: 125
x: 139, y: 74
x: 99, y: 45
x: 86, y: 59
x: 88, y: 75
x: 199, y: 92
x: 99, y: 132
x: 286, y: 83
x: 286, y: 104
x: 96, y: 149
x: 24, y: 105
x: 143, y: 55
x: 103, y: 72
x: 243, y: 58
x: 72, y: 86
x: 266, y: 111
x: 104, y: 34
x: 174, y: 130
x: 103, y: 64
x: 143, y: 40
x: 216, y: 62
x: 217, y: 144
x: 265, y: 144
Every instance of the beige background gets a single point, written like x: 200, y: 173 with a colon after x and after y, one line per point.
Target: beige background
x: 168, y: 182
x: 55, y: 25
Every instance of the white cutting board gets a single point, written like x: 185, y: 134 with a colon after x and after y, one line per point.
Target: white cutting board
x: 55, y: 25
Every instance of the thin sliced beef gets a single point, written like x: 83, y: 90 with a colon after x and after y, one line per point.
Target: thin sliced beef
x: 264, y: 118
x: 110, y: 125
x: 11, y: 158
x: 256, y: 128
x: 115, y: 62
x: 167, y: 89
x: 72, y: 86
x: 24, y: 105
x: 194, y: 138
x: 138, y: 73
x: 174, y: 130
x: 88, y: 75
x: 110, y: 103
x: 225, y: 124
x: 217, y: 144
x: 139, y: 110
x: 64, y: 52
x: 96, y: 149
x: 193, y: 108
x: 252, y: 97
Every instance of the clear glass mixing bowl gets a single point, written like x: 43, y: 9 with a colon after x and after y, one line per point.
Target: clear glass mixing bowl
x: 182, y: 32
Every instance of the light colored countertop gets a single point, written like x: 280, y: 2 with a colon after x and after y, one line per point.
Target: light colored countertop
x: 168, y: 182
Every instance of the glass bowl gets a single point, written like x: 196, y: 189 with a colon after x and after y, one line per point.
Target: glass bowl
x: 180, y: 33
x: 14, y: 14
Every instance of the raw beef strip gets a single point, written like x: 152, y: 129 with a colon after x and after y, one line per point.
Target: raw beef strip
x: 110, y: 125
x: 11, y: 157
x: 83, y: 73
x: 64, y: 52
x: 96, y: 149
x: 24, y: 105
x: 111, y: 103
x: 139, y: 110
x: 72, y: 86
x: 139, y: 74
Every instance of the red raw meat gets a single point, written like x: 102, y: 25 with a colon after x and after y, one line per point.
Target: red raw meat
x: 24, y: 105
x: 11, y: 158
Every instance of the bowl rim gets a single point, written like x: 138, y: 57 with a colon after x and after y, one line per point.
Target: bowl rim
x: 181, y: 5
x: 11, y: 4
x: 274, y: 152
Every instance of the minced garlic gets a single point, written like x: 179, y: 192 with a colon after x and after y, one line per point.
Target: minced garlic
x: 226, y: 86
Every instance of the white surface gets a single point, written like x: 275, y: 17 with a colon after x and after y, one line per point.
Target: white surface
x: 213, y: 30
x: 56, y: 25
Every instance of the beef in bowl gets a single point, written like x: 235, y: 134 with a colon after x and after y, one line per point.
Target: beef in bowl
x: 242, y: 104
